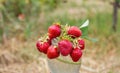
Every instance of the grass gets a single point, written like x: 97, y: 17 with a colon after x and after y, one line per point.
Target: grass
x: 100, y: 27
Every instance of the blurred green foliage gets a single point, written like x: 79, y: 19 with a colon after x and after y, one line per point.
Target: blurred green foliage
x: 16, y: 7
x: 29, y: 10
x: 118, y: 0
x: 38, y: 15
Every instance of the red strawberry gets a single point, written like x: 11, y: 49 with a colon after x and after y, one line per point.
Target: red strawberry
x: 65, y: 47
x: 52, y: 52
x: 81, y: 43
x: 74, y: 31
x: 57, y: 24
x: 42, y: 47
x: 49, y: 41
x: 54, y: 31
x: 76, y: 54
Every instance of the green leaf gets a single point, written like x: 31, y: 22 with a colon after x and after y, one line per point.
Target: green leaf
x: 84, y: 28
x: 90, y: 39
x: 85, y: 24
x: 84, y: 31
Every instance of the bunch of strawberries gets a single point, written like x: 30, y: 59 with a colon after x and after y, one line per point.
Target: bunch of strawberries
x: 62, y: 40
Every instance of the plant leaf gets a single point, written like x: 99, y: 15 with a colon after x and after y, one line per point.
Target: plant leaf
x: 90, y: 39
x: 85, y: 24
x: 84, y: 28
x: 84, y: 31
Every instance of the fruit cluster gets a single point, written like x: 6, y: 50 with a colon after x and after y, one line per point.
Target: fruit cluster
x: 62, y: 40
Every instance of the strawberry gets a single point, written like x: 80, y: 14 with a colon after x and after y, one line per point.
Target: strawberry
x: 54, y: 31
x: 81, y: 43
x: 76, y: 54
x: 52, y: 52
x: 49, y: 40
x: 65, y: 47
x: 42, y: 46
x: 74, y: 31
x: 57, y: 24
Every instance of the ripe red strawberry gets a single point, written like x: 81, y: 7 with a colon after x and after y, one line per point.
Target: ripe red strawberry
x: 54, y: 31
x: 42, y: 47
x: 65, y: 47
x: 57, y: 24
x: 74, y: 31
x: 81, y: 44
x: 52, y: 52
x: 76, y: 54
x: 49, y: 41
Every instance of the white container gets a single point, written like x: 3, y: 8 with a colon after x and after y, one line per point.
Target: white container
x: 57, y: 66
